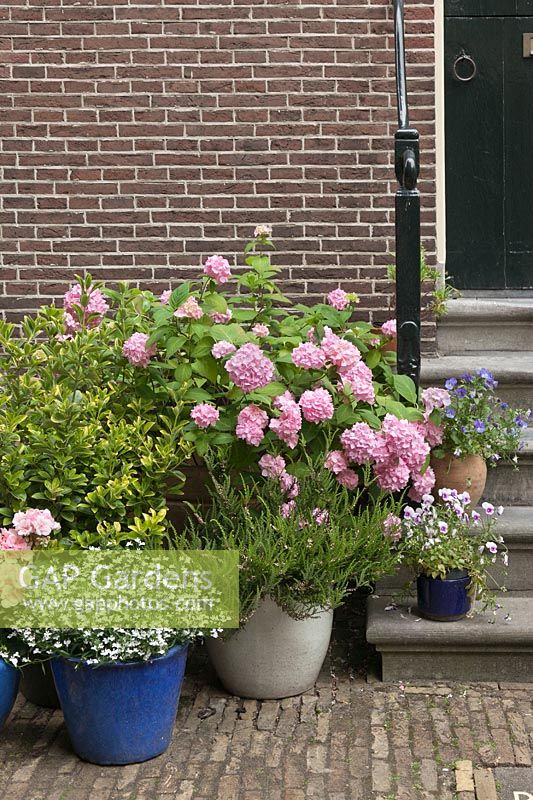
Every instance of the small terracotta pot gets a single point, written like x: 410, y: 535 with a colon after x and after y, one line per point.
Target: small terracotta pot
x: 468, y: 474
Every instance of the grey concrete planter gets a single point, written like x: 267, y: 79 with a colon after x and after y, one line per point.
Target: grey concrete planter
x: 273, y: 655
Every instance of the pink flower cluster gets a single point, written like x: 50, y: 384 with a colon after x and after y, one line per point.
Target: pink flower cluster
x: 189, y: 309
x: 137, y: 351
x: 262, y: 231
x: 205, y: 415
x: 164, y: 297
x: 398, y: 453
x: 308, y: 356
x: 221, y: 317
x: 95, y: 308
x: 389, y: 328
x: 317, y: 405
x: 28, y: 528
x: 338, y: 299
x: 392, y: 527
x: 289, y: 423
x: 218, y: 268
x: 272, y: 466
x: 340, y: 352
x: 222, y: 349
x: 260, y: 330
x: 251, y: 424
x: 337, y: 462
x: 433, y: 397
x: 249, y: 368
x: 359, y: 379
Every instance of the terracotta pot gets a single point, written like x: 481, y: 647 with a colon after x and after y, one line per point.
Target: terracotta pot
x: 468, y: 474
x: 389, y: 347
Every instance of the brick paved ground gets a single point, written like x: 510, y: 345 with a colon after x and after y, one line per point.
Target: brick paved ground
x: 349, y: 739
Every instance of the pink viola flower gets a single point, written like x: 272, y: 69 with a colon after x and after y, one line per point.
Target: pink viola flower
x: 137, y: 350
x: 341, y: 353
x: 348, y: 478
x: 288, y: 425
x: 392, y: 527
x: 389, y: 328
x: 205, y: 415
x: 93, y: 310
x: 317, y: 405
x: 35, y: 522
x: 189, y: 309
x: 249, y: 368
x: 359, y: 379
x: 222, y: 349
x: 251, y: 424
x: 221, y: 317
x: 218, y: 268
x: 263, y: 231
x: 338, y: 299
x: 164, y: 297
x: 359, y: 443
x: 336, y: 462
x: 272, y: 466
x: 260, y: 330
x: 422, y: 484
x: 308, y: 356
x: 11, y: 540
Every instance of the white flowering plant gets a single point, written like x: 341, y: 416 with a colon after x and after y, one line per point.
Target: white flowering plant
x: 437, y: 538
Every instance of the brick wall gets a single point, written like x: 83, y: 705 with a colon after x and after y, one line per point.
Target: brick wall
x: 140, y: 136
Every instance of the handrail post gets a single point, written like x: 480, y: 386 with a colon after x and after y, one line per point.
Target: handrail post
x: 407, y: 219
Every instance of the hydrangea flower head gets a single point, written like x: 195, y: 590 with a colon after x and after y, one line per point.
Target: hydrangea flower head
x: 308, y: 356
x: 263, y: 231
x: 164, y: 297
x: 339, y: 299
x: 221, y: 317
x: 93, y: 310
x: 359, y: 443
x: 249, y: 368
x: 218, y: 268
x: 35, y: 522
x: 260, y: 330
x: 137, y: 350
x: 205, y: 415
x: 222, y: 349
x: 336, y: 462
x: 340, y: 352
x: 348, y: 478
x: 251, y: 424
x: 289, y: 423
x: 189, y: 309
x: 317, y: 405
x: 359, y: 379
x: 272, y: 466
x: 11, y: 540
x: 389, y: 328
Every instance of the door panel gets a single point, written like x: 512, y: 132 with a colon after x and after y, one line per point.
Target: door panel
x: 489, y: 150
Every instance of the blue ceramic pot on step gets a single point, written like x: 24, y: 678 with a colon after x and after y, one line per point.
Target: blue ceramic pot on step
x: 444, y: 600
x: 9, y: 686
x: 120, y: 713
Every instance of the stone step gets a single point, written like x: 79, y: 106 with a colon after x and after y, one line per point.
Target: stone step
x: 516, y: 527
x: 489, y: 646
x: 507, y: 486
x: 507, y: 323
x: 513, y: 370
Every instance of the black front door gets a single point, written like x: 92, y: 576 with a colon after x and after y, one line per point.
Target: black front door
x: 489, y: 143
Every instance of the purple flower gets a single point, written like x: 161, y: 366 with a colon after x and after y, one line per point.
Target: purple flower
x: 451, y: 383
x: 460, y: 392
x: 505, y: 406
x: 479, y: 425
x: 467, y: 377
x: 521, y: 422
x: 450, y: 412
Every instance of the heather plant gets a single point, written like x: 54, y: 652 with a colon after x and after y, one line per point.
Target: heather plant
x: 474, y: 420
x: 306, y: 550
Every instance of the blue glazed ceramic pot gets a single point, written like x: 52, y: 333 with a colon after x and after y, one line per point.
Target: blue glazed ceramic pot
x: 9, y: 686
x: 443, y: 600
x: 120, y: 713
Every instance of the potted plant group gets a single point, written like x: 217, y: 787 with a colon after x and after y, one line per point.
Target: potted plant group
x: 119, y: 688
x: 303, y: 544
x: 478, y: 429
x: 451, y: 549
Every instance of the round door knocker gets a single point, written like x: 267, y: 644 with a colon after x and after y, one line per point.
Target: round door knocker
x: 467, y: 60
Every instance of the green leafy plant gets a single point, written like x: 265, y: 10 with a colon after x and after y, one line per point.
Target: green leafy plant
x: 436, y: 300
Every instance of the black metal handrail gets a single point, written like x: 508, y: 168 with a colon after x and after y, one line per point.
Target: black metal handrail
x: 407, y: 219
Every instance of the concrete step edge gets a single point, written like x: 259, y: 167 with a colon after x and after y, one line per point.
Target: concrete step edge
x: 508, y: 368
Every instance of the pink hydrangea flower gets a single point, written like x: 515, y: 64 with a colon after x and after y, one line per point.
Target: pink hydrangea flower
x: 341, y: 353
x: 11, y: 540
x: 405, y: 440
x: 262, y: 231
x: 392, y: 527
x: 359, y: 379
x: 434, y: 397
x: 221, y: 317
x: 272, y: 466
x: 392, y: 475
x: 249, y: 368
x: 389, y: 328
x: 320, y: 516
x: 289, y: 485
x: 95, y: 308
x: 260, y: 330
x: 289, y: 423
x: 218, y: 268
x: 189, y: 309
x: 336, y: 462
x: 422, y: 484
x: 308, y: 356
x: 311, y: 335
x: 359, y: 443
x: 338, y: 299
x: 288, y: 508
x: 433, y: 434
x: 35, y: 522
x: 251, y: 424
x: 137, y: 351
x: 317, y: 405
x: 222, y: 349
x: 348, y: 478
x: 205, y: 415
x: 164, y: 297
